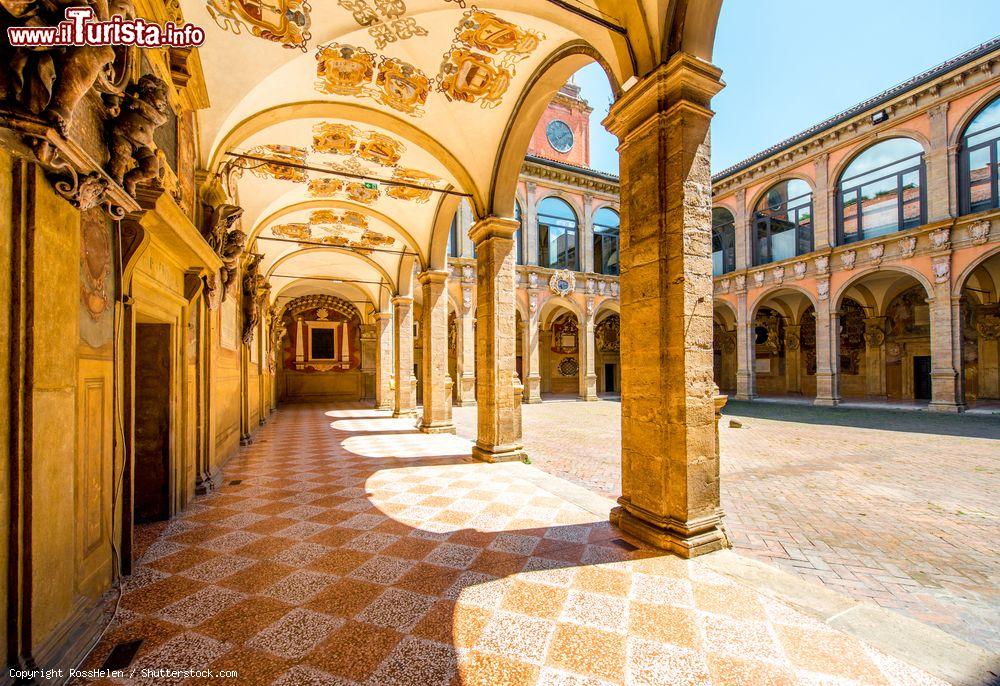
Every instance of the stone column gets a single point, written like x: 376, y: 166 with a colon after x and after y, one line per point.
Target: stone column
x: 529, y: 230
x: 827, y: 349
x: 586, y: 237
x: 793, y: 362
x: 405, y: 397
x: 465, y: 364
x: 434, y: 333
x: 498, y: 391
x: 746, y: 387
x: 588, y: 355
x: 947, y: 393
x: 670, y: 462
x: 367, y: 362
x: 383, y: 361
x: 875, y: 357
x: 531, y: 357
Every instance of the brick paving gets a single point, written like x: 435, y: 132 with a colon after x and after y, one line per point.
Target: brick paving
x: 898, y: 508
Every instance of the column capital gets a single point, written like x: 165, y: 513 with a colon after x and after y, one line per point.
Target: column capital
x: 384, y: 316
x: 402, y: 300
x: 433, y: 276
x: 493, y: 227
x: 683, y: 79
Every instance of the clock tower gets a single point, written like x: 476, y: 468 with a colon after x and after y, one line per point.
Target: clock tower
x: 563, y: 132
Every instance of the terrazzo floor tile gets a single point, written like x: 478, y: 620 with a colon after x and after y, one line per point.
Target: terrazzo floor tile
x: 354, y: 550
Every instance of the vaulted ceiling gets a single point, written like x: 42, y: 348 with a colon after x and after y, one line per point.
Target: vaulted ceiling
x: 436, y: 99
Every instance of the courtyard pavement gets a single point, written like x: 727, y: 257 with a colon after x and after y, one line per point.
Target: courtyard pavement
x: 897, y: 508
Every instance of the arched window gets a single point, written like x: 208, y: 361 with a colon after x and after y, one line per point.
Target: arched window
x: 557, y: 229
x: 881, y: 191
x: 783, y: 222
x: 979, y: 161
x: 606, y: 223
x: 518, y: 248
x: 723, y: 241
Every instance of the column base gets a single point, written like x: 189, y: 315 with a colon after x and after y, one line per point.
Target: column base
x: 689, y: 540
x: 531, y: 400
x: 442, y: 428
x: 500, y: 453
x: 588, y: 398
x: 464, y: 403
x: 743, y: 396
x: 826, y: 402
x: 946, y: 407
x: 404, y: 413
x: 246, y: 439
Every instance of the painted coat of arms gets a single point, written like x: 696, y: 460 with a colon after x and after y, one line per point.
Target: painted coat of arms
x: 282, y: 21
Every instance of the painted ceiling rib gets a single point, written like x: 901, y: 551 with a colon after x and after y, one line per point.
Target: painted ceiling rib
x: 349, y: 175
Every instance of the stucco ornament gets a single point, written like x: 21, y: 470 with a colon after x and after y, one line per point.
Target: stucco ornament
x: 875, y: 253
x: 532, y: 280
x: 562, y: 283
x: 533, y: 302
x: 602, y: 287
x: 468, y: 272
x: 778, y: 274
x: 614, y: 289
x: 143, y: 109
x: 822, y: 264
x: 823, y: 289
x: 940, y: 238
x: 907, y: 246
x: 979, y: 232
x: 741, y: 282
x: 941, y: 266
x: 517, y: 279
x: 590, y: 305
x: 724, y: 286
x: 590, y: 285
x: 467, y: 297
x: 848, y: 259
x: 800, y: 269
x: 758, y: 279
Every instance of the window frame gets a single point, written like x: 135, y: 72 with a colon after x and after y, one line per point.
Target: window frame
x: 728, y: 252
x: 606, y: 239
x: 920, y: 167
x: 964, y: 170
x: 563, y: 262
x: 789, y: 205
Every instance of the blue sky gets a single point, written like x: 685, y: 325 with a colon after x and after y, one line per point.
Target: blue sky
x: 789, y: 64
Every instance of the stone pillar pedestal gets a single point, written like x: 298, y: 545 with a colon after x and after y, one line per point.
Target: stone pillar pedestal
x: 498, y: 390
x: 434, y: 333
x: 383, y: 361
x: 465, y: 367
x: 670, y: 466
x: 405, y: 399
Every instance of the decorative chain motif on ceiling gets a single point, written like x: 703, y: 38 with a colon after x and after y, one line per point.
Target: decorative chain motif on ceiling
x: 386, y: 21
x: 341, y: 228
x: 483, y: 56
x: 281, y: 21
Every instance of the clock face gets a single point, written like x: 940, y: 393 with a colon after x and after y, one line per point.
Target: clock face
x: 560, y: 136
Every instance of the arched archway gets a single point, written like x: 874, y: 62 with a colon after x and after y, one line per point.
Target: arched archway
x: 980, y: 331
x: 783, y: 352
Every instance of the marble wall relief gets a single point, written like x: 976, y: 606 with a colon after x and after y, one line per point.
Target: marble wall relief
x: 281, y: 21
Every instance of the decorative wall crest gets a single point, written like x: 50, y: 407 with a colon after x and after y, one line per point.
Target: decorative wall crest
x: 481, y: 61
x: 590, y: 305
x: 941, y: 266
x: 988, y: 327
x: 532, y: 280
x: 281, y: 21
x: 848, y: 259
x: 468, y: 272
x: 792, y: 339
x: 823, y: 289
x: 415, y: 177
x: 822, y: 264
x: 562, y: 282
x: 979, y: 231
x: 741, y: 283
x: 279, y: 157
x: 602, y: 287
x: 907, y: 246
x: 351, y: 141
x: 339, y: 228
x: 607, y: 334
x: 724, y: 285
x: 800, y: 269
x: 467, y: 297
x: 940, y: 238
x: 758, y: 279
x: 614, y: 289
x: 533, y: 302
x: 875, y: 253
x: 386, y: 21
x: 348, y: 70
x: 874, y: 332
x: 778, y: 274
x: 590, y: 285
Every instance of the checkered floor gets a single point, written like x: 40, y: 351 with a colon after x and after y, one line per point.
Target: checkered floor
x: 355, y: 550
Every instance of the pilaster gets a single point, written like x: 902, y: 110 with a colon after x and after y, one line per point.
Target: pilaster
x: 827, y: 350
x: 498, y: 391
x: 405, y: 404
x: 745, y: 355
x: 383, y: 361
x: 434, y: 334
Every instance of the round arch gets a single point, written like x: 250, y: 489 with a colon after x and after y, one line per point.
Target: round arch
x: 333, y: 249
x: 837, y: 297
x: 547, y: 312
x: 963, y: 276
x: 872, y: 140
x: 773, y: 292
x: 751, y: 206
x: 955, y: 135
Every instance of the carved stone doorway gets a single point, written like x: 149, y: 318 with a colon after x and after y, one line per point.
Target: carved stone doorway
x: 152, y: 423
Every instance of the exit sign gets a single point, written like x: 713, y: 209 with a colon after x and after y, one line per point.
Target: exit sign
x: 372, y: 185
